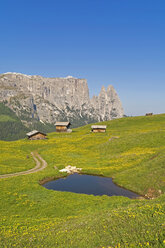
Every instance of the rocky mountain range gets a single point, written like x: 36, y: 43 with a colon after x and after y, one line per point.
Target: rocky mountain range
x: 47, y: 100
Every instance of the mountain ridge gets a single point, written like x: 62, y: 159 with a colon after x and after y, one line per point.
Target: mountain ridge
x: 48, y: 100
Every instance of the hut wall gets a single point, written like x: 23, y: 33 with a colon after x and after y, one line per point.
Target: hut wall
x: 37, y: 136
x: 99, y: 130
x: 61, y: 129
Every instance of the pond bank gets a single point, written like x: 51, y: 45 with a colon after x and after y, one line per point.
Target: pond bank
x: 88, y: 184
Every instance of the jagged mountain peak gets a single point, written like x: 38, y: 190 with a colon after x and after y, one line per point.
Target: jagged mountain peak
x: 110, y: 87
x: 103, y: 89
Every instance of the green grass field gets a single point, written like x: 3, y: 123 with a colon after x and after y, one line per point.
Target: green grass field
x: 32, y: 216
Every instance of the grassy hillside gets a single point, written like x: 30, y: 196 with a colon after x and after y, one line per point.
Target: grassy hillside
x: 11, y: 128
x: 132, y: 151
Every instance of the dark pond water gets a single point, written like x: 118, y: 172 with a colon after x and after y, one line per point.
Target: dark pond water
x: 88, y: 184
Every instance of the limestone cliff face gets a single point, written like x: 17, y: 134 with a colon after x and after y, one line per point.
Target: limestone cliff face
x: 52, y: 99
x: 107, y: 105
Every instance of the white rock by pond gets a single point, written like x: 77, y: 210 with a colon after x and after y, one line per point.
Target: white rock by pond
x: 70, y: 169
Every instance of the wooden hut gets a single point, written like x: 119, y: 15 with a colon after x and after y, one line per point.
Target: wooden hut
x: 36, y: 135
x: 98, y: 128
x: 148, y: 114
x: 62, y: 126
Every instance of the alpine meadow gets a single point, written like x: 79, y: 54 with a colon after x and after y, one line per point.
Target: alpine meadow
x: 131, y: 151
x: 82, y: 124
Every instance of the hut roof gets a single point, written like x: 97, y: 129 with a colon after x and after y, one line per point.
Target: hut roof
x: 98, y: 127
x: 62, y: 123
x: 34, y: 132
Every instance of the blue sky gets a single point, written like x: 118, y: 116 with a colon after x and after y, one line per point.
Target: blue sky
x: 118, y: 42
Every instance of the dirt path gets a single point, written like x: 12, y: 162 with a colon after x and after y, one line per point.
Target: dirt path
x: 40, y: 165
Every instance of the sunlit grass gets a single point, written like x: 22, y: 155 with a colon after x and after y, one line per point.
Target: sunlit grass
x: 32, y: 216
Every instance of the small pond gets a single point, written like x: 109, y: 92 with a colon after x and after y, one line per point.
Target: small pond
x: 87, y: 184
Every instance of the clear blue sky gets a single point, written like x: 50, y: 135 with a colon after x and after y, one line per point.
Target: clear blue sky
x: 118, y: 42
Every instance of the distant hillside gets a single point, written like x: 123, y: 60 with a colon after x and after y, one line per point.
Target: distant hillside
x: 11, y: 127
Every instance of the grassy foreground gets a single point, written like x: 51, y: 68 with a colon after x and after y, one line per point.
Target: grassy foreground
x: 32, y: 216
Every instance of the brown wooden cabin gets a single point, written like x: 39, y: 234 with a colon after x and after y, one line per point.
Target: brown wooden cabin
x: 36, y: 135
x: 148, y: 114
x: 98, y: 128
x: 62, y: 126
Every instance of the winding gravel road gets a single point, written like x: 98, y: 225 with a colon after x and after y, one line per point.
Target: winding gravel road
x: 40, y: 165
